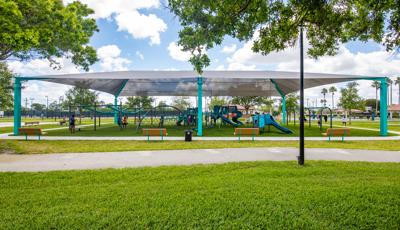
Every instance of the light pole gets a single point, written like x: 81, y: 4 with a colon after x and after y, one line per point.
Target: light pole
x: 301, y: 150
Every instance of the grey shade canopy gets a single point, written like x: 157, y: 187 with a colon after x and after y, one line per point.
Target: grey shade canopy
x: 184, y: 83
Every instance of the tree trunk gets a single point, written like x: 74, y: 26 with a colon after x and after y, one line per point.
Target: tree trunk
x: 349, y: 116
x: 333, y: 103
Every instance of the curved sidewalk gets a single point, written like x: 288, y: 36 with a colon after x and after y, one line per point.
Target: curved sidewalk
x: 74, y: 161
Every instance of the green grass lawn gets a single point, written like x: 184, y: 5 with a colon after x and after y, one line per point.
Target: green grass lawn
x: 264, y: 195
x: 173, y: 130
x: 33, y: 147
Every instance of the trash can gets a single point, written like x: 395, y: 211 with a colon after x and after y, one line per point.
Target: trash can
x: 188, y: 135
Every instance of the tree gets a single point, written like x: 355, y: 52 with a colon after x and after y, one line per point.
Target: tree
x: 247, y: 102
x: 397, y: 82
x: 350, y: 99
x: 324, y: 91
x: 217, y: 101
x: 275, y: 24
x: 6, y: 98
x: 140, y: 102
x: 181, y: 103
x: 333, y: 90
x: 267, y: 105
x: 377, y: 86
x: 78, y: 96
x: 47, y: 29
x: 38, y: 107
x: 371, y: 103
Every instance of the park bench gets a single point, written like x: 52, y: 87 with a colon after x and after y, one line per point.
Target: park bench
x: 161, y: 132
x: 31, y: 132
x: 27, y: 123
x: 63, y: 122
x: 337, y: 132
x: 246, y: 132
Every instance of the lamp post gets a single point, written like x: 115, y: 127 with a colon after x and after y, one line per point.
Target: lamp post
x: 301, y: 147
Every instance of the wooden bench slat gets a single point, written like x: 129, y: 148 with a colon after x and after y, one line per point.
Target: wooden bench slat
x: 31, y: 132
x: 247, y: 131
x: 337, y: 132
x: 155, y: 132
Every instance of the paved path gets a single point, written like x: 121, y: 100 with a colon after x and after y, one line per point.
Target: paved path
x: 69, y: 161
x: 141, y: 138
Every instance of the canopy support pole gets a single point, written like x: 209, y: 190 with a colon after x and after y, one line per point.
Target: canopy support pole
x: 383, y: 108
x: 17, y: 105
x: 284, y: 110
x: 115, y: 109
x: 284, y: 121
x: 199, y: 106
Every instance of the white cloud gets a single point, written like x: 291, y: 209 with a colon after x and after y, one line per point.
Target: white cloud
x: 176, y: 52
x: 377, y: 63
x: 229, y: 49
x: 42, y: 67
x: 140, y: 55
x: 110, y: 59
x: 141, y: 26
x: 128, y: 18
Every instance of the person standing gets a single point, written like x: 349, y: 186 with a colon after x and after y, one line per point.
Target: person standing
x: 72, y: 123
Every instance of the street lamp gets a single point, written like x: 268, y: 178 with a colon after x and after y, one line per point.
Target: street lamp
x: 301, y: 147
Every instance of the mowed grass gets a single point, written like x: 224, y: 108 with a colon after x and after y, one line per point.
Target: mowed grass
x: 173, y: 130
x: 265, y: 195
x: 35, y: 147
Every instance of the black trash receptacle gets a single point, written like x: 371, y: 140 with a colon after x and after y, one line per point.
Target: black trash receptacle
x: 188, y: 135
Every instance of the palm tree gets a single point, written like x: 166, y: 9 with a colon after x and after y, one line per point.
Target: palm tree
x: 377, y: 86
x: 397, y: 82
x: 332, y: 90
x: 390, y: 83
x: 324, y: 92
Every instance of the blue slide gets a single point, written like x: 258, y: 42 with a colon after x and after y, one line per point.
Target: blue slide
x: 269, y: 120
x: 230, y: 122
x: 261, y: 121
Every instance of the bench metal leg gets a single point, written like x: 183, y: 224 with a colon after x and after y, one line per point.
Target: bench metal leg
x: 39, y: 137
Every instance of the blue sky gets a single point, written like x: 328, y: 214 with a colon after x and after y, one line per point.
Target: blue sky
x: 141, y: 35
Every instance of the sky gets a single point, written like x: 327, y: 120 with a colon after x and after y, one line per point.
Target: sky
x: 142, y: 35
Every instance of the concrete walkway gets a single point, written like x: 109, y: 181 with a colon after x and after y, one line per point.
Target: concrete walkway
x: 70, y: 161
x: 142, y: 138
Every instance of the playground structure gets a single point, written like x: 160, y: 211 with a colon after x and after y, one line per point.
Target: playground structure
x: 263, y: 120
x: 189, y: 83
x: 228, y: 115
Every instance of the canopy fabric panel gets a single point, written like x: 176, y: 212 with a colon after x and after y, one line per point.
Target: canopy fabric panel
x: 184, y: 83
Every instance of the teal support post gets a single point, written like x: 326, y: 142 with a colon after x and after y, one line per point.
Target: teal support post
x: 17, y: 105
x: 200, y: 106
x: 115, y: 109
x: 383, y: 109
x: 284, y: 110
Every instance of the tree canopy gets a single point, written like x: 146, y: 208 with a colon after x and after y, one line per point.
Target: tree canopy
x: 140, y: 102
x: 248, y: 101
x: 6, y: 98
x: 80, y: 96
x: 46, y: 29
x: 350, y: 99
x: 274, y: 24
x: 181, y: 103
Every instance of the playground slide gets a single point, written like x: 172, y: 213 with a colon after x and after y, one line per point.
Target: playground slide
x: 270, y: 121
x: 230, y: 122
